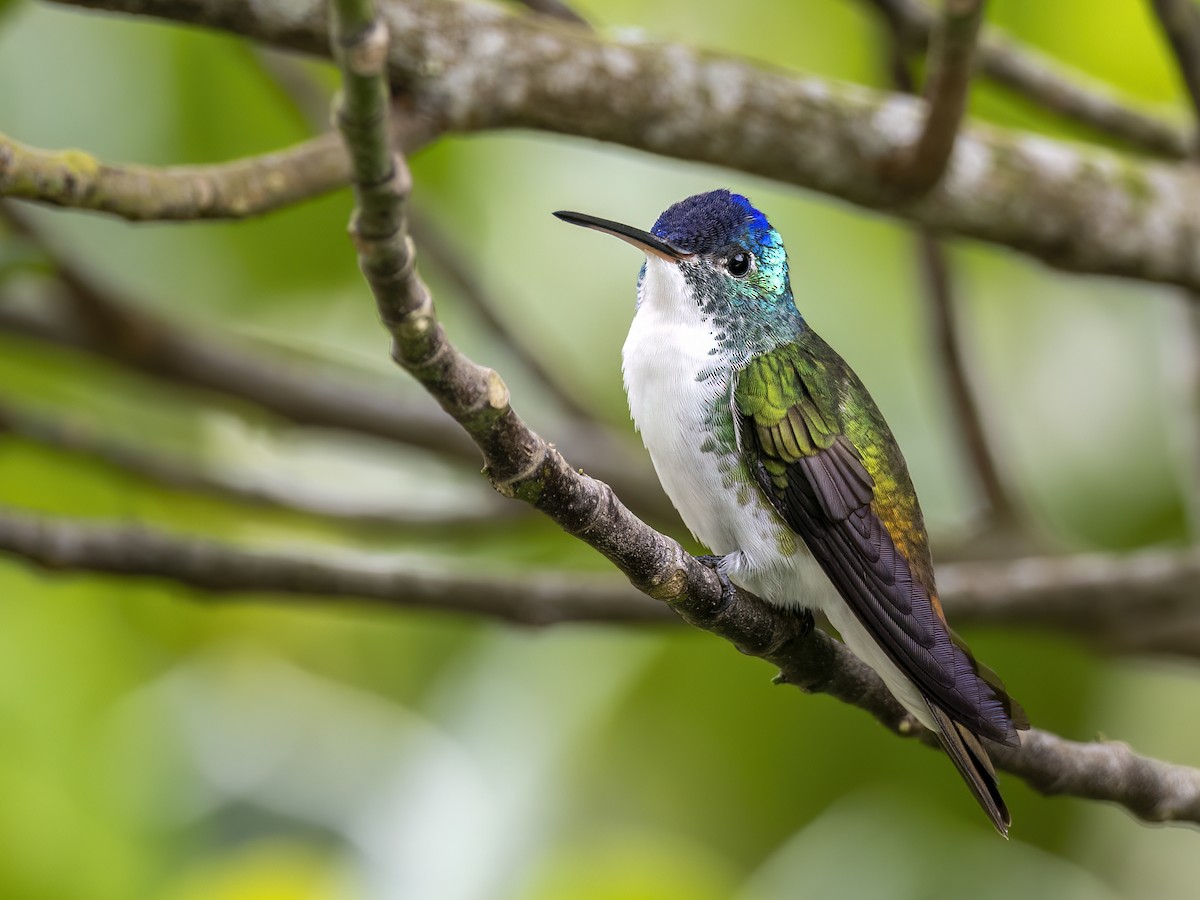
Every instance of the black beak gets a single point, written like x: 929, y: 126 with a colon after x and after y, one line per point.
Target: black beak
x: 643, y: 240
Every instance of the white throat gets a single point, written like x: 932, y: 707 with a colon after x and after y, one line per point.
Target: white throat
x: 673, y: 378
x: 670, y: 344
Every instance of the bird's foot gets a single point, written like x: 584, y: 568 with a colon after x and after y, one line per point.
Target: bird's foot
x: 716, y: 563
x: 807, y: 622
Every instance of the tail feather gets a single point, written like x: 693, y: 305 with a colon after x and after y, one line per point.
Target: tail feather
x: 1015, y: 711
x: 973, y: 764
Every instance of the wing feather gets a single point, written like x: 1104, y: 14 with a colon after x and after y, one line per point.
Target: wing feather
x: 819, y: 482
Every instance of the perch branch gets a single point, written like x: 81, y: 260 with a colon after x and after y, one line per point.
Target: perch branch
x: 1152, y: 790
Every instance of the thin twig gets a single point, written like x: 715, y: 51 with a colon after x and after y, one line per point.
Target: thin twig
x: 309, y: 101
x: 935, y: 272
x: 163, y: 469
x: 520, y: 464
x: 437, y: 246
x: 1049, y: 83
x: 298, y: 388
x: 1180, y: 23
x: 556, y: 9
x: 917, y: 168
x: 942, y: 303
x: 216, y: 569
x: 308, y: 98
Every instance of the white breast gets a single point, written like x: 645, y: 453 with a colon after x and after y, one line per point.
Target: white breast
x: 669, y: 345
x: 675, y: 379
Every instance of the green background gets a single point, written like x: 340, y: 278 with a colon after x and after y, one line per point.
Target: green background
x: 153, y: 744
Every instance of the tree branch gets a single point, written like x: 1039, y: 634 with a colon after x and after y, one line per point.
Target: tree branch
x: 917, y: 168
x: 438, y: 247
x: 1142, y: 602
x: 468, y: 67
x: 1115, y: 600
x: 556, y: 9
x: 296, y: 388
x: 311, y: 103
x: 245, y: 187
x: 83, y: 440
x: 935, y: 272
x: 1180, y: 24
x: 1153, y: 790
x: 1048, y: 83
x: 216, y: 569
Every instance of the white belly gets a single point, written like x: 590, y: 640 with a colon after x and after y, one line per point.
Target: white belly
x: 678, y: 389
x: 679, y: 397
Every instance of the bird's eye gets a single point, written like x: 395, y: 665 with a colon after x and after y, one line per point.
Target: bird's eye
x: 738, y: 264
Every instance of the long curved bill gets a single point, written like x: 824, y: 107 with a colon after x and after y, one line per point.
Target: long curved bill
x: 643, y: 240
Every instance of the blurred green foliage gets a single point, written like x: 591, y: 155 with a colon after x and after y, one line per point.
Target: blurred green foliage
x: 153, y: 744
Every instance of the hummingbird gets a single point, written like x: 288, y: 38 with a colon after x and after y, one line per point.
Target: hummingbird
x: 779, y: 462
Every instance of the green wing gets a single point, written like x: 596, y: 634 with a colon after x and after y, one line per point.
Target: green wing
x: 826, y: 460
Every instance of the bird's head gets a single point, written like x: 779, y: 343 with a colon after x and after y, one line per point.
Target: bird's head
x: 727, y: 257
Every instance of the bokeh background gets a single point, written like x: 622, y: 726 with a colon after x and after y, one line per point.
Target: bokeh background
x: 156, y: 744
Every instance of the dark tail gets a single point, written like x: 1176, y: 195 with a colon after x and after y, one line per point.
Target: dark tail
x: 973, y: 764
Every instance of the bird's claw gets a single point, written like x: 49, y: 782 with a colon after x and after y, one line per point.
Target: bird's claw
x: 807, y: 623
x: 728, y: 591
